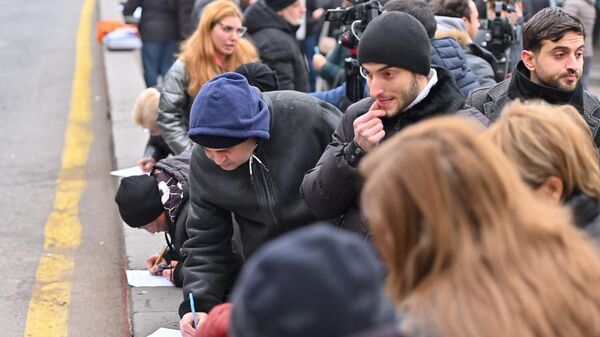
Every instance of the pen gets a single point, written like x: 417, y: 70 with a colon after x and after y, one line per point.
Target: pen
x: 161, y: 255
x: 193, y: 307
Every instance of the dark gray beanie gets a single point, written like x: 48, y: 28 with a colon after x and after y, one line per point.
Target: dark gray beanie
x: 396, y: 39
x: 317, y: 281
x: 278, y: 5
x: 139, y: 201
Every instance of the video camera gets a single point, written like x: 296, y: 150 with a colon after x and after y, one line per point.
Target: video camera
x: 354, y: 20
x: 502, y: 36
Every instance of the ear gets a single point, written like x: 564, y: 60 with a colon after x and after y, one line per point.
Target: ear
x: 528, y: 58
x: 552, y: 189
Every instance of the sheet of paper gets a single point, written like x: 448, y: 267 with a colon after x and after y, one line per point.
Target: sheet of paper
x: 164, y: 332
x: 142, y: 278
x: 128, y: 172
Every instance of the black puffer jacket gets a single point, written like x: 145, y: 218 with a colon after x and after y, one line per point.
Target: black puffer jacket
x: 159, y: 19
x: 447, y: 53
x: 331, y: 188
x: 262, y: 194
x: 276, y: 42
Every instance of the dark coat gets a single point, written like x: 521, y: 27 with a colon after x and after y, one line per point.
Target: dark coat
x: 331, y: 188
x: 178, y: 167
x: 156, y: 148
x: 448, y: 54
x: 490, y: 101
x: 159, y: 19
x: 186, y: 25
x: 276, y: 42
x: 262, y: 194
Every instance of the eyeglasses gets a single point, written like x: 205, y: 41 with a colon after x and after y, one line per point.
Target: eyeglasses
x: 228, y: 29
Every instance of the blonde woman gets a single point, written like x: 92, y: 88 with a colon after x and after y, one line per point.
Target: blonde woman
x: 553, y: 150
x: 215, y: 47
x: 470, y: 251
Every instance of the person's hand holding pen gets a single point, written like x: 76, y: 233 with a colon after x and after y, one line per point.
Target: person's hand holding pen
x: 186, y: 325
x: 153, y: 261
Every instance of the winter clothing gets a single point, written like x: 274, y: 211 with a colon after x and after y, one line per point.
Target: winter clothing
x: 247, y: 117
x: 276, y: 42
x: 586, y: 212
x: 174, y: 109
x: 396, y: 39
x: 447, y: 54
x: 491, y: 101
x: 156, y: 148
x: 259, y: 75
x: 139, y: 200
x: 278, y: 5
x: 478, y: 59
x: 262, y: 194
x: 159, y: 34
x: 331, y: 188
x: 311, y: 274
x: 175, y: 206
x: 184, y: 18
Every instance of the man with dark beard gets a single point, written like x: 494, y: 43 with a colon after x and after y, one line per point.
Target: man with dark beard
x: 394, y: 54
x: 550, y: 69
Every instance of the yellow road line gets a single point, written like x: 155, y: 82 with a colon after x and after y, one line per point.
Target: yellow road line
x: 49, y: 305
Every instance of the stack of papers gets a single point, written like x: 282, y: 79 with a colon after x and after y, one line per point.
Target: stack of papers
x: 143, y: 278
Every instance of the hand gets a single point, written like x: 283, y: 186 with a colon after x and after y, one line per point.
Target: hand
x: 186, y: 324
x: 368, y: 128
x: 152, y: 265
x: 318, y: 61
x: 168, y: 273
x: 316, y: 14
x: 146, y: 163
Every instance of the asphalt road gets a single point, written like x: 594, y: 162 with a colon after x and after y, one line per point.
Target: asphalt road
x: 37, y: 62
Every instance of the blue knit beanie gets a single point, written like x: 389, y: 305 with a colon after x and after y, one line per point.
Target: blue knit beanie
x: 226, y: 112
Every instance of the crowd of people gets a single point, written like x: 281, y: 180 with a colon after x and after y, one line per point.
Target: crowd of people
x: 448, y: 202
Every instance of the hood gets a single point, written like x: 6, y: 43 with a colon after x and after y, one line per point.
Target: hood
x: 460, y: 36
x: 260, y: 16
x: 449, y: 23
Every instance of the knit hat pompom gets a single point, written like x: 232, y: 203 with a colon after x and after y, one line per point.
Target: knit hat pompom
x: 228, y: 111
x: 396, y: 39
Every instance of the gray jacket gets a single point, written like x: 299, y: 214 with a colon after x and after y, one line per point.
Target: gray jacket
x: 174, y: 109
x: 490, y: 101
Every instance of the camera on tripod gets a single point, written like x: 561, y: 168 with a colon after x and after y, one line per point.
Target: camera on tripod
x: 354, y: 20
x: 502, y: 36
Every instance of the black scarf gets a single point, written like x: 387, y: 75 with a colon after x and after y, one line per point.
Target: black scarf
x: 522, y: 87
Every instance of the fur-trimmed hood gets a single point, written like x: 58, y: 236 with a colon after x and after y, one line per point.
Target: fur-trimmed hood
x: 452, y: 27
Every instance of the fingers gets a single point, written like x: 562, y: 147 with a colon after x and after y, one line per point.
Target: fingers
x: 186, y: 325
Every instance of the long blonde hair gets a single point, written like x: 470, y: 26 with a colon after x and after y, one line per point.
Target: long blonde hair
x: 198, y: 51
x: 470, y: 251
x: 543, y: 140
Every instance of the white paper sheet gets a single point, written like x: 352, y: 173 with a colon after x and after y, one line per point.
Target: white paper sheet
x: 128, y: 172
x: 164, y: 332
x: 143, y: 278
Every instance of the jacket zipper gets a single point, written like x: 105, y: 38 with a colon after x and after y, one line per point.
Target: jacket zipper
x: 263, y: 185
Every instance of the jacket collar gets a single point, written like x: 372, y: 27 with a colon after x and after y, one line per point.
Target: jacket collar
x: 522, y: 87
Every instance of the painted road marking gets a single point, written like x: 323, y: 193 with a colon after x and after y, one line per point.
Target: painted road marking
x: 49, y: 305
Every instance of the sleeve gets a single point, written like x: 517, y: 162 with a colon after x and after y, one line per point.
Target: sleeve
x: 130, y: 6
x: 280, y: 59
x: 156, y: 148
x: 209, y: 258
x: 333, y: 184
x: 171, y: 109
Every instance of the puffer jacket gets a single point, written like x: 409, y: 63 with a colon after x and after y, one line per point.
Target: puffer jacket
x: 159, y: 19
x: 331, y: 188
x: 262, y: 194
x: 446, y: 53
x: 174, y: 109
x: 276, y: 42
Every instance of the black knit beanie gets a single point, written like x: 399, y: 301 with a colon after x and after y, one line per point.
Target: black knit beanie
x: 396, y: 39
x: 139, y: 200
x: 278, y: 5
x: 259, y: 75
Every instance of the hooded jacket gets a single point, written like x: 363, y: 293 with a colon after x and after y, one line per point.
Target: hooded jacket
x: 479, y: 60
x: 261, y: 194
x: 331, y: 188
x: 491, y: 101
x: 276, y: 42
